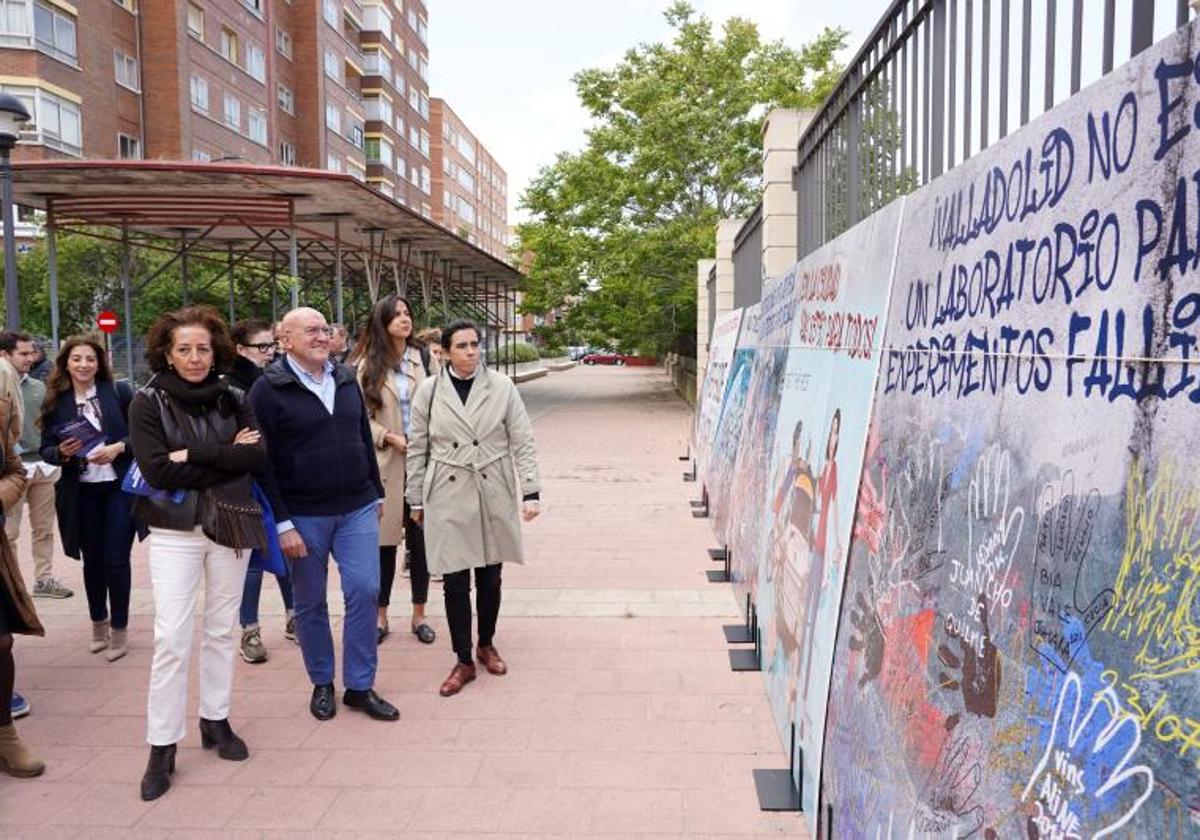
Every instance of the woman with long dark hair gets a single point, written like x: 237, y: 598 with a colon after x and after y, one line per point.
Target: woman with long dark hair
x: 390, y: 368
x: 197, y: 443
x: 93, y: 514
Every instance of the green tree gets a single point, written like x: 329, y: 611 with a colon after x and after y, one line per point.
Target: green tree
x: 616, y: 228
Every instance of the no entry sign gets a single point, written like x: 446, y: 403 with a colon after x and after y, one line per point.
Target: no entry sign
x: 107, y: 321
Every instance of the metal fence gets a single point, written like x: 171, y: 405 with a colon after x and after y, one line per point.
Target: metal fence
x: 939, y: 80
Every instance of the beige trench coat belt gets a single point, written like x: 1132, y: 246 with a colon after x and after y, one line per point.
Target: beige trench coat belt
x: 476, y: 471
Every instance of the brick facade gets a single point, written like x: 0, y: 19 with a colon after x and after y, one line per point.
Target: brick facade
x: 470, y: 183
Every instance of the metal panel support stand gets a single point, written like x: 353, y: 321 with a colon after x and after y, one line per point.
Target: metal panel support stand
x: 779, y: 790
x: 690, y: 476
x: 720, y: 575
x: 700, y: 506
x: 741, y: 634
x: 743, y: 659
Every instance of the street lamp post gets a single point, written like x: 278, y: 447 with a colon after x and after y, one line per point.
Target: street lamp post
x: 12, y: 115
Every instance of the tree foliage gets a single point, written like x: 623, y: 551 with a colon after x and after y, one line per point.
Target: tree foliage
x: 674, y: 146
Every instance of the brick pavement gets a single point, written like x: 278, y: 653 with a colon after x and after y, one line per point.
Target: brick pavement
x: 619, y: 716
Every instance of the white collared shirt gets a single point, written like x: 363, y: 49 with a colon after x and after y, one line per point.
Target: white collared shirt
x: 325, y: 388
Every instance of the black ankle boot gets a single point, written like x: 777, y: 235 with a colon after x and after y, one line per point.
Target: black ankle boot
x: 157, y: 779
x: 218, y: 733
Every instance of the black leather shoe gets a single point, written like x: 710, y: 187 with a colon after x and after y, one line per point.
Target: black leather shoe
x: 157, y: 779
x: 219, y: 734
x: 371, y: 703
x: 323, y: 706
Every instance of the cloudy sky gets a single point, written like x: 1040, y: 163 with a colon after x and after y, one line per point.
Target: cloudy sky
x: 506, y: 68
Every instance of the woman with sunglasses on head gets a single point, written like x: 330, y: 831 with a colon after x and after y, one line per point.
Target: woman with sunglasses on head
x: 195, y: 437
x: 472, y: 478
x: 254, y: 341
x: 390, y: 368
x: 93, y: 514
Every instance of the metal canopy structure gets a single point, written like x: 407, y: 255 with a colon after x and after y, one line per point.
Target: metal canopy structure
x: 329, y: 237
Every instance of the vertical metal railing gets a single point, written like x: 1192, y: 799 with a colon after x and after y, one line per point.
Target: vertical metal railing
x: 940, y: 80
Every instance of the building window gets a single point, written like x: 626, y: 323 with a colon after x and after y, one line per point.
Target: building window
x: 379, y: 109
x: 59, y: 123
x: 423, y: 69
x: 255, y: 6
x: 376, y: 63
x: 256, y: 62
x: 426, y: 183
x: 287, y: 153
x: 423, y: 30
x: 333, y: 117
x: 424, y: 143
x: 287, y: 100
x: 258, y: 125
x: 233, y: 112
x: 412, y: 58
x: 283, y: 42
x: 201, y: 156
x: 386, y: 189
x: 333, y: 66
x: 356, y: 133
x: 400, y: 125
x: 129, y: 148
x: 333, y: 163
x: 424, y: 106
x: 196, y: 21
x: 126, y: 69
x: 128, y: 5
x: 229, y: 45
x: 414, y: 137
x: 400, y: 85
x: 54, y: 30
x: 401, y: 167
x: 14, y: 23
x: 414, y: 99
x: 200, y: 94
x: 332, y: 12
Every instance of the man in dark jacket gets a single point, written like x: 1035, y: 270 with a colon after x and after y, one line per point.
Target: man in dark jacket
x: 323, y: 483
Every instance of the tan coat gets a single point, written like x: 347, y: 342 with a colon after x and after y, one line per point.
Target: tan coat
x: 12, y: 486
x: 391, y: 461
x: 482, y: 461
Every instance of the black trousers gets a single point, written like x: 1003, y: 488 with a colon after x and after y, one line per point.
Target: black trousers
x: 456, y: 587
x: 418, y: 569
x: 106, y: 536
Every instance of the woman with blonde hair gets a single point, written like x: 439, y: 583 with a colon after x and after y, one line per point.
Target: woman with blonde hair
x: 17, y: 614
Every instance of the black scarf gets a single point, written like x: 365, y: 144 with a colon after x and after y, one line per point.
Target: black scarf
x: 197, y: 398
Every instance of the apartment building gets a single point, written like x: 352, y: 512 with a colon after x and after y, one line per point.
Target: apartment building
x: 340, y: 85
x: 472, y: 185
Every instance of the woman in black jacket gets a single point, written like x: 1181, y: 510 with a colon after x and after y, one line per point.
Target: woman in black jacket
x: 195, y: 437
x: 255, y: 346
x: 93, y: 513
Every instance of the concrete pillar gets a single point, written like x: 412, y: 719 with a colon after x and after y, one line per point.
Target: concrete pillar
x: 727, y: 231
x: 703, y: 267
x: 780, y: 137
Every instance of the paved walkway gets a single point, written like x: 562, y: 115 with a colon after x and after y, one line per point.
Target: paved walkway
x: 619, y: 716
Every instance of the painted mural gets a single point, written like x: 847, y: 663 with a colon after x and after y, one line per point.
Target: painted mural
x: 1018, y: 651
x: 748, y: 495
x: 720, y: 355
x: 825, y: 388
x: 718, y: 474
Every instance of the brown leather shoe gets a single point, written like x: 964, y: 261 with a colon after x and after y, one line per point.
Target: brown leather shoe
x: 462, y: 674
x: 489, y: 657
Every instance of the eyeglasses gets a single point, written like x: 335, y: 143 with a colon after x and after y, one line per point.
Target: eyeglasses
x: 313, y: 332
x: 265, y: 347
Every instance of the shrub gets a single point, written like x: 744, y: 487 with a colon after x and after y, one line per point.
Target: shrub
x: 552, y: 352
x: 518, y: 352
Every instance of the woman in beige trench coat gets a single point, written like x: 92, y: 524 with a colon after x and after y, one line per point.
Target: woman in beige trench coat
x: 390, y: 368
x: 472, y: 469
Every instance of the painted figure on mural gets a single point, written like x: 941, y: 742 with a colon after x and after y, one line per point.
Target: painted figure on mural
x: 792, y: 540
x: 826, y: 566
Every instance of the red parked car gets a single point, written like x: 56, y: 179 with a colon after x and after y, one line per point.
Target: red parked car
x: 604, y: 357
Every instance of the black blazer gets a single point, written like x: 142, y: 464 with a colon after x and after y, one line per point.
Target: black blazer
x: 114, y: 408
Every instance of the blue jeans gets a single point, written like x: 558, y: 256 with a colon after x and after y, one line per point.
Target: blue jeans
x: 252, y: 594
x: 353, y: 539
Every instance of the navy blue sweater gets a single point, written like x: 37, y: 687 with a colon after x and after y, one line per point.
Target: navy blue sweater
x: 317, y: 464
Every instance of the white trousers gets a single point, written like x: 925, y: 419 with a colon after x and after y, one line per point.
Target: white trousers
x: 180, y: 563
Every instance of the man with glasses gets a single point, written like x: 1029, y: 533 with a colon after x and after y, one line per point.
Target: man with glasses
x: 255, y: 344
x: 323, y: 483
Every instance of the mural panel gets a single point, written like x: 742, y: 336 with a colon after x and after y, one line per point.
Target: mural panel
x: 718, y: 476
x: 716, y: 374
x: 1018, y: 651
